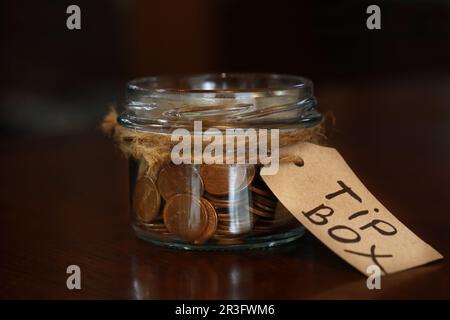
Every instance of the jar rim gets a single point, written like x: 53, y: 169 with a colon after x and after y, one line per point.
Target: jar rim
x: 204, y: 83
x: 219, y: 100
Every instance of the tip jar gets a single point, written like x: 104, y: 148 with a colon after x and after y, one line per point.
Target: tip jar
x: 190, y: 201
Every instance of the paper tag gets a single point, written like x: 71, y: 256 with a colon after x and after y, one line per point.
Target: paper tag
x: 331, y: 202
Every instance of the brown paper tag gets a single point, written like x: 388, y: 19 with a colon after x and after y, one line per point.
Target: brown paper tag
x: 332, y: 203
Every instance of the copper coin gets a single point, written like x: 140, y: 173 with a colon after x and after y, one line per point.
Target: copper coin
x: 186, y: 216
x: 225, y: 233
x: 261, y: 212
x: 234, y: 228
x: 239, y: 215
x: 234, y: 213
x: 212, y: 222
x: 230, y: 241
x: 260, y: 229
x: 268, y: 202
x: 262, y: 192
x: 226, y: 205
x: 179, y: 179
x: 230, y: 202
x: 157, y: 221
x: 219, y: 237
x: 159, y: 225
x: 218, y: 203
x: 223, y: 216
x: 264, y: 207
x: 146, y: 200
x: 228, y: 221
x: 231, y: 226
x: 221, y: 179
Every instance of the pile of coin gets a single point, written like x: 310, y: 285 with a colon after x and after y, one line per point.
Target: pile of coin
x: 200, y: 203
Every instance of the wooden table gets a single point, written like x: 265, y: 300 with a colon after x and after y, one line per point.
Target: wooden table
x: 64, y: 202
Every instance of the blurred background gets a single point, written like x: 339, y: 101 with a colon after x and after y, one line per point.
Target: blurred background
x: 389, y: 89
x: 56, y: 81
x: 64, y: 184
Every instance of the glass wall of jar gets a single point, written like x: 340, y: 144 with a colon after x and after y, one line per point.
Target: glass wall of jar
x: 222, y: 205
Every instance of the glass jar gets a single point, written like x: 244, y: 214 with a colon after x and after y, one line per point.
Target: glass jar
x: 211, y: 206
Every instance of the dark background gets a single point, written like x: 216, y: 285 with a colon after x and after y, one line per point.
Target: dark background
x: 64, y: 187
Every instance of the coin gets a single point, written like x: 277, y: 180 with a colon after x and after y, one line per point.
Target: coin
x: 262, y: 192
x: 241, y: 214
x: 159, y: 225
x: 146, y: 200
x: 212, y: 222
x: 221, y: 231
x: 263, y: 206
x: 186, y: 216
x: 218, y: 202
x: 223, y: 215
x: 222, y: 179
x: 262, y: 229
x: 232, y: 201
x: 179, y: 179
x: 238, y: 221
x: 227, y: 240
x: 234, y: 229
x: 261, y: 212
x: 271, y: 203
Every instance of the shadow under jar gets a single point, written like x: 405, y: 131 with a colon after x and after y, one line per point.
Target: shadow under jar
x: 212, y: 206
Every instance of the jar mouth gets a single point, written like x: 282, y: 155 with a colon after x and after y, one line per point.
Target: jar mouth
x: 220, y: 100
x: 220, y: 83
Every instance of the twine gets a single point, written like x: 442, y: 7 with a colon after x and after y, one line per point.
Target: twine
x: 155, y: 148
